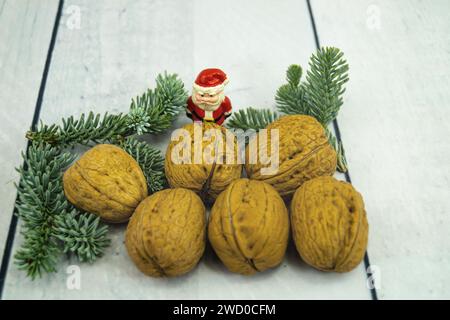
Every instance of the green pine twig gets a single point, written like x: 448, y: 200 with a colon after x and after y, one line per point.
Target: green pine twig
x: 82, y: 234
x: 339, y: 148
x: 324, y: 88
x: 325, y: 84
x: 150, y: 160
x: 91, y: 128
x: 320, y: 95
x: 152, y: 112
x: 251, y: 119
x: 155, y: 110
x: 37, y: 205
x: 290, y: 97
x: 42, y: 205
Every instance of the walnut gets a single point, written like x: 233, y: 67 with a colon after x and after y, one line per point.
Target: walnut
x: 106, y: 181
x: 304, y: 153
x: 329, y: 224
x: 167, y: 233
x: 249, y: 227
x: 208, y: 176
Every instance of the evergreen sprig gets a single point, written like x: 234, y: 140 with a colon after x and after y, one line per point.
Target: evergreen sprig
x: 152, y: 112
x: 82, y: 234
x: 320, y: 95
x: 290, y: 97
x: 42, y: 206
x: 150, y: 160
x: 84, y: 130
x: 339, y: 148
x: 252, y: 119
x: 325, y: 84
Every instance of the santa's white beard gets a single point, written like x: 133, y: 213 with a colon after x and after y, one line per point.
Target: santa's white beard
x: 208, y: 107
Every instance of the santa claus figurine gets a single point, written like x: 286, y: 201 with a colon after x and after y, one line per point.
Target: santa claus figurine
x: 208, y: 101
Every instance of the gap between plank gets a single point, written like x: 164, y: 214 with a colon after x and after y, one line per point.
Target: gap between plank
x: 36, y: 115
x: 373, y: 291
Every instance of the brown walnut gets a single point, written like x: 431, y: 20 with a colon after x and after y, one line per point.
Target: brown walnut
x: 329, y: 224
x: 249, y: 227
x: 106, y: 181
x: 304, y: 153
x: 167, y: 233
x: 207, y: 179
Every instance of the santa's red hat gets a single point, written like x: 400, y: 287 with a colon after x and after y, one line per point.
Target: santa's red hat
x: 210, y: 81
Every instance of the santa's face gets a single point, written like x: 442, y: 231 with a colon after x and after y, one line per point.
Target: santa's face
x: 208, y: 101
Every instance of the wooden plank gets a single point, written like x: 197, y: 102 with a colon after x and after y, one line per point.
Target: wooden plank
x: 25, y: 32
x: 115, y: 54
x: 395, y: 127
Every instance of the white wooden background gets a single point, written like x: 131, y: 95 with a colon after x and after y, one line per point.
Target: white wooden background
x: 394, y: 123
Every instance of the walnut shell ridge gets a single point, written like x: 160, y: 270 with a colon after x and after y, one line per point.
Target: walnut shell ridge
x: 105, y: 181
x: 249, y: 227
x: 166, y: 235
x: 205, y: 178
x: 329, y: 224
x: 304, y: 153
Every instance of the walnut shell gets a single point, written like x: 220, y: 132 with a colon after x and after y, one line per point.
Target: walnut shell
x: 106, y: 181
x: 329, y: 224
x: 167, y: 233
x: 249, y: 227
x: 304, y: 153
x: 207, y: 179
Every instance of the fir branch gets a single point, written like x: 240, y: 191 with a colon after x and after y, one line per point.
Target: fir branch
x: 341, y: 158
x: 339, y: 148
x: 152, y: 112
x: 171, y: 93
x: 294, y: 75
x: 155, y: 110
x: 290, y: 98
x: 41, y: 204
x: 147, y: 114
x: 325, y: 84
x: 38, y: 254
x: 82, y: 234
x: 321, y: 95
x: 86, y: 129
x: 40, y: 200
x: 150, y: 160
x: 251, y: 118
x: 45, y: 133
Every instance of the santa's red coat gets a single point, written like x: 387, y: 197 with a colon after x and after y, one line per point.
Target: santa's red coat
x: 218, y: 116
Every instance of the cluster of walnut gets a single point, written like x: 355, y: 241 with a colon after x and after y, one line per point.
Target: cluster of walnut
x: 249, y: 225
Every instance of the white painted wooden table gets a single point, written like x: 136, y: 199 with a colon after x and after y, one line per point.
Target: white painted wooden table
x: 394, y: 123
